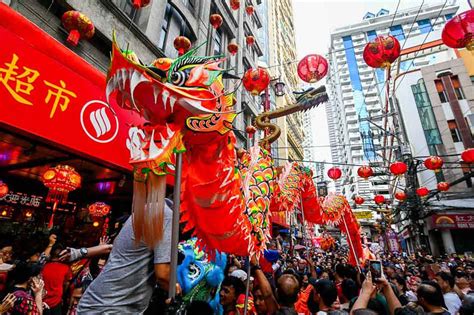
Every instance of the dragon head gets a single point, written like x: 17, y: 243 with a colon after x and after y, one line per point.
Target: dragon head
x: 184, y: 102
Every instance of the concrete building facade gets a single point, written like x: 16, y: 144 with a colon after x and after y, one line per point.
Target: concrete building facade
x: 150, y: 32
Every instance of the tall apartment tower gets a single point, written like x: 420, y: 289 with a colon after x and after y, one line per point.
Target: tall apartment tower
x: 357, y: 98
x: 282, y: 57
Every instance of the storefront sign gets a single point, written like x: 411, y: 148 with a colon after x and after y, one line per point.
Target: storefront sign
x: 49, y: 92
x: 452, y: 221
x: 392, y: 240
x: 364, y: 215
x: 22, y: 199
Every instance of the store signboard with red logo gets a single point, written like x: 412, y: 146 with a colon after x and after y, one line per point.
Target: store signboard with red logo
x: 452, y: 221
x: 47, y: 91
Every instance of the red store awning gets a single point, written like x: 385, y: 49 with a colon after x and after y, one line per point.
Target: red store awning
x: 50, y: 93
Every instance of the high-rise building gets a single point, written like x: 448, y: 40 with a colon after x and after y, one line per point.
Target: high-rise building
x: 282, y: 57
x: 356, y: 109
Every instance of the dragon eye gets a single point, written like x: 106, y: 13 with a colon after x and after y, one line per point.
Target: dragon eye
x: 179, y: 77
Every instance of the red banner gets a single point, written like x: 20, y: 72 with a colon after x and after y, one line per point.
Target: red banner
x: 48, y: 91
x: 452, y: 221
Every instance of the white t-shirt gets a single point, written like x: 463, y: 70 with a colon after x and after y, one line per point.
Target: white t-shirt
x: 453, y: 302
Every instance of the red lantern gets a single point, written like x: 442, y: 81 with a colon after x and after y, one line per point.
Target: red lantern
x: 443, y: 186
x: 434, y: 163
x: 400, y: 196
x: 422, y: 191
x: 359, y: 200
x: 365, y: 172
x: 182, y: 44
x: 334, y: 173
x: 3, y: 189
x: 379, y: 199
x: 235, y: 4
x: 459, y: 31
x: 233, y: 48
x: 99, y: 209
x: 60, y: 180
x: 137, y: 4
x: 468, y: 156
x: 250, y: 130
x: 381, y: 52
x: 78, y: 25
x: 215, y: 20
x: 256, y: 80
x: 398, y: 168
x: 249, y: 9
x: 312, y: 68
x: 250, y: 40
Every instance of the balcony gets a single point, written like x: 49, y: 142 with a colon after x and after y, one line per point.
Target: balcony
x: 347, y: 96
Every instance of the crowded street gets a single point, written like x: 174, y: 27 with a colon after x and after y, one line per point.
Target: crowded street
x: 236, y: 157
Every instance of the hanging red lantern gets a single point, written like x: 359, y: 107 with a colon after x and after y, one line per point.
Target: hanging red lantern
x: 3, y: 189
x: 250, y: 40
x: 250, y: 130
x: 215, y: 20
x: 78, y: 25
x: 256, y: 80
x: 99, y: 209
x: 312, y: 68
x: 422, y: 191
x: 138, y: 4
x: 235, y: 4
x: 334, y: 173
x: 60, y: 180
x: 434, y: 163
x: 249, y: 9
x: 400, y: 196
x: 442, y: 186
x: 468, y: 156
x: 459, y: 31
x: 359, y: 200
x: 365, y: 172
x: 182, y: 44
x: 233, y: 48
x: 381, y: 52
x: 398, y: 168
x: 379, y: 199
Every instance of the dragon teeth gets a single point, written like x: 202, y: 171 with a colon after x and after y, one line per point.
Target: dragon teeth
x: 172, y: 101
x: 164, y: 96
x: 154, y: 151
x: 169, y: 132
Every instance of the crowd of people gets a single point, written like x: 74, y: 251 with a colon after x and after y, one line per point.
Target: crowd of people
x: 126, y: 277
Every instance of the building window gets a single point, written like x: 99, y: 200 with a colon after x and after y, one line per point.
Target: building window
x: 371, y: 35
x: 441, y: 92
x: 449, y: 16
x: 453, y: 127
x: 424, y: 26
x: 397, y: 32
x: 457, y: 87
x: 217, y: 42
x: 165, y: 26
x: 425, y: 111
x: 139, y: 17
x: 246, y: 64
x: 190, y: 4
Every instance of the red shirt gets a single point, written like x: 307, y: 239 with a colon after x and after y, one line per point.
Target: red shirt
x: 55, y: 274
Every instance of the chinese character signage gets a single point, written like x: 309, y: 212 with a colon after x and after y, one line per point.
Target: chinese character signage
x: 22, y: 199
x: 48, y: 91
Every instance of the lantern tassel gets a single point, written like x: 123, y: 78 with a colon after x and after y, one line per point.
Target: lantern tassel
x: 51, y: 220
x: 73, y: 38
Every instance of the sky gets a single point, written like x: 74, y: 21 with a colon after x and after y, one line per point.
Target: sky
x: 315, y: 19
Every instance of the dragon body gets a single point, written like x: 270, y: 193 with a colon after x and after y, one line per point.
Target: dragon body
x: 227, y: 195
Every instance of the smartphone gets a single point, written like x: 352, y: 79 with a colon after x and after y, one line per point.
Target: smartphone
x: 376, y: 269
